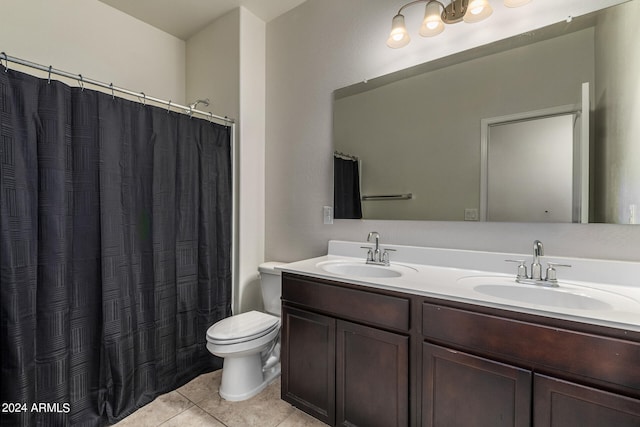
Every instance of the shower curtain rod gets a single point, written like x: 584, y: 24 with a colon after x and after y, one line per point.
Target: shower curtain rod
x: 82, y: 80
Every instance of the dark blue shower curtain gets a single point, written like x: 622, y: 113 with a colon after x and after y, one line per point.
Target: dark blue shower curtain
x: 115, y: 251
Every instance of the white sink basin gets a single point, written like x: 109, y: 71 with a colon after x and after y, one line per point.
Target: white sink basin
x: 362, y: 269
x: 567, y: 296
x: 553, y: 297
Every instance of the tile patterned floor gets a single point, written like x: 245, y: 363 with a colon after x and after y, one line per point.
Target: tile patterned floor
x: 198, y: 404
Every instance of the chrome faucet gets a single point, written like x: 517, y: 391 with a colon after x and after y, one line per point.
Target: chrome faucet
x: 376, y: 251
x: 374, y: 255
x: 536, y: 267
x: 536, y: 278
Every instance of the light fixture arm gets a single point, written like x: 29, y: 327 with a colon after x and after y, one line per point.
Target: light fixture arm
x: 416, y: 2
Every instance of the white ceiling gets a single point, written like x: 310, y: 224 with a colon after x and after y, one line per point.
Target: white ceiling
x: 184, y: 18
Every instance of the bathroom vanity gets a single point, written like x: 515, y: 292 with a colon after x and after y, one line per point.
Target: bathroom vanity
x: 388, y: 351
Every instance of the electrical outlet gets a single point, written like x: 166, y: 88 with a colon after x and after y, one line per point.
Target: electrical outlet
x: 327, y: 214
x: 471, y: 214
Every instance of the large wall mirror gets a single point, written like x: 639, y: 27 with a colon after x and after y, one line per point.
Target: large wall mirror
x: 416, y: 135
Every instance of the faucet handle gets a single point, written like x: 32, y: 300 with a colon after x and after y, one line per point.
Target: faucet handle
x: 369, y: 253
x: 551, y: 271
x: 385, y: 255
x: 522, y: 268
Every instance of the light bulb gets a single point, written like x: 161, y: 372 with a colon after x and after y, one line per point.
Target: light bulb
x: 477, y: 11
x: 432, y: 24
x: 399, y: 37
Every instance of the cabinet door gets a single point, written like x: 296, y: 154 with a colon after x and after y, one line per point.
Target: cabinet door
x: 464, y: 390
x: 308, y: 362
x: 560, y: 403
x: 372, y: 377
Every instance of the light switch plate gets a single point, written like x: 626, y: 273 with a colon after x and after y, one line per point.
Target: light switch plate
x: 327, y: 214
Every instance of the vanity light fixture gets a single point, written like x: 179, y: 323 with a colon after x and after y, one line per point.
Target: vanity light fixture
x: 437, y: 14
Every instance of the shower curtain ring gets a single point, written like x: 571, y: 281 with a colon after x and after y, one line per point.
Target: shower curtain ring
x: 6, y: 62
x: 144, y: 99
x: 210, y: 117
x: 190, y: 111
x: 49, y: 79
x: 113, y: 95
x: 81, y: 82
x: 169, y: 107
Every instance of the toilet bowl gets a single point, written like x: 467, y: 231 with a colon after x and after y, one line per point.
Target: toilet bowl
x: 249, y: 342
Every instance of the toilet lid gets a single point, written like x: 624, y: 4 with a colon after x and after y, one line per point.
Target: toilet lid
x: 242, y: 327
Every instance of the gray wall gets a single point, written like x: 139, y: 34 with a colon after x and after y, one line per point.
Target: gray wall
x: 326, y: 44
x: 94, y: 39
x: 226, y: 63
x: 618, y: 114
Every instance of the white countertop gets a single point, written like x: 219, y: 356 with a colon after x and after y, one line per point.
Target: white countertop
x: 451, y: 281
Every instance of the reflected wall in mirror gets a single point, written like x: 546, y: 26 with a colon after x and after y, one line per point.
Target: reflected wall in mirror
x: 418, y: 131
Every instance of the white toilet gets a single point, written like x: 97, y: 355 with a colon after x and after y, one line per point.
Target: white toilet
x: 250, y: 342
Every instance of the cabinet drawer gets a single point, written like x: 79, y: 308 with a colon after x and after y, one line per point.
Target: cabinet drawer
x: 380, y: 309
x: 611, y: 362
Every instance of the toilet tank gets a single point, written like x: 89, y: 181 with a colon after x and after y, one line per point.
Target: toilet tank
x: 271, y: 286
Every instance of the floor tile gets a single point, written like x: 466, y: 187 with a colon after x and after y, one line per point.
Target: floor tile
x: 264, y: 410
x: 202, y: 387
x: 160, y: 410
x: 198, y: 404
x: 193, y: 417
x: 300, y: 419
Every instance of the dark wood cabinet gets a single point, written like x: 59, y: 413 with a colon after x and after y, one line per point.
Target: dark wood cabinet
x: 559, y: 403
x: 599, y: 368
x: 459, y: 389
x: 372, y: 374
x: 308, y: 362
x: 359, y: 356
x: 345, y: 359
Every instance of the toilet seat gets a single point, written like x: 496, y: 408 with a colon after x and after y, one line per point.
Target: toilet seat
x: 242, y: 328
